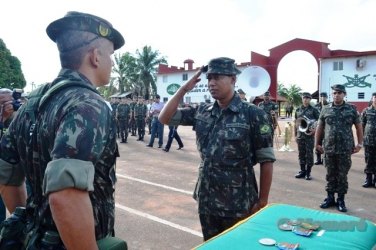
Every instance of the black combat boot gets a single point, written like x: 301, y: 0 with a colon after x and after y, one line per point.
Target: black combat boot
x: 341, y: 203
x: 301, y: 173
x: 308, y: 174
x: 368, y: 183
x: 329, y: 201
x: 374, y: 180
x: 319, y: 160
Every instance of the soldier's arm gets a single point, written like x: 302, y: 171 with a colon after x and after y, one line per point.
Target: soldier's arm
x: 73, y: 215
x: 13, y: 196
x: 172, y: 105
x: 266, y: 176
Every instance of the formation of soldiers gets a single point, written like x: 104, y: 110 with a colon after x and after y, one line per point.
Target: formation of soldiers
x: 131, y: 116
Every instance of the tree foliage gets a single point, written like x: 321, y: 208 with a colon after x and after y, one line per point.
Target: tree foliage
x: 11, y: 75
x: 292, y: 93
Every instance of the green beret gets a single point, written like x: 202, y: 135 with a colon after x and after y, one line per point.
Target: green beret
x: 222, y: 66
x: 85, y: 22
x: 339, y: 87
x: 323, y: 94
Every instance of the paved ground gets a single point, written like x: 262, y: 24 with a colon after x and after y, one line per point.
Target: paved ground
x: 155, y: 209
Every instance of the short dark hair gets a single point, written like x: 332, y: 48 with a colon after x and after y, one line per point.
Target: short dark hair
x: 158, y: 96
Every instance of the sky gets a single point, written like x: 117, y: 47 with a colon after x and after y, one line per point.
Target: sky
x: 197, y: 29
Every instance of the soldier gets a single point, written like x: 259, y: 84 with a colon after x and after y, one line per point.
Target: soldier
x: 64, y: 144
x: 232, y: 137
x: 323, y: 101
x: 114, y: 103
x: 335, y: 126
x: 271, y: 109
x: 132, y: 122
x: 369, y: 128
x: 242, y: 95
x: 140, y: 113
x: 123, y: 113
x: 305, y: 140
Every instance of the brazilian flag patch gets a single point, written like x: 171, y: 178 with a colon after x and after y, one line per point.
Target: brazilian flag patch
x: 264, y: 129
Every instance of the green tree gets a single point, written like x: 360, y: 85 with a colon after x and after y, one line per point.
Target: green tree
x: 11, y: 75
x: 147, y: 66
x: 292, y: 93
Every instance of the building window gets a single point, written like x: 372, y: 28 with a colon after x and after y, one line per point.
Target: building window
x: 361, y: 95
x: 185, y: 77
x: 337, y: 66
x: 165, y: 78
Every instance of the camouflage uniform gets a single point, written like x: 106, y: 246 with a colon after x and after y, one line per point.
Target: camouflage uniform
x: 123, y: 112
x: 338, y: 144
x: 268, y: 107
x: 305, y: 142
x: 75, y: 136
x: 230, y: 143
x: 114, y: 108
x: 132, y: 122
x: 140, y: 111
x: 369, y: 128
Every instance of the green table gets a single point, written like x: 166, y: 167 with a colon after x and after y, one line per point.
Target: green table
x: 341, y: 231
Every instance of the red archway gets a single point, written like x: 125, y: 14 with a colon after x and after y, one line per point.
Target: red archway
x: 270, y: 63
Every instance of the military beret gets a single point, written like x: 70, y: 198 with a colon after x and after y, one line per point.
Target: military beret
x: 306, y: 94
x: 323, y: 94
x: 240, y: 91
x: 267, y: 93
x: 85, y: 22
x: 339, y: 87
x: 222, y: 66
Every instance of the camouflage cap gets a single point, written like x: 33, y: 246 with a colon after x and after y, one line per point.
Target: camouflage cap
x: 85, y: 22
x: 323, y: 94
x: 240, y: 91
x: 374, y: 94
x: 223, y: 66
x: 306, y: 94
x: 339, y: 87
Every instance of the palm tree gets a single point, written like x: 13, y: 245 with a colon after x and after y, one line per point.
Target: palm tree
x: 147, y: 64
x: 125, y: 68
x: 292, y: 94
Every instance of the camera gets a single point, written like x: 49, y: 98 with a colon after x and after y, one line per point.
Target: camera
x: 17, y: 94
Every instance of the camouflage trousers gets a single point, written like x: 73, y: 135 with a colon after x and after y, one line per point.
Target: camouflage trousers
x: 214, y: 225
x: 370, y: 157
x: 305, y: 148
x: 123, y: 124
x: 140, y: 123
x: 337, y: 167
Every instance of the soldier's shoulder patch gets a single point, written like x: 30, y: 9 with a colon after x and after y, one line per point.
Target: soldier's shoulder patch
x: 264, y: 129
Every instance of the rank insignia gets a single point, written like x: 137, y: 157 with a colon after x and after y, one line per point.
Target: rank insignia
x: 103, y: 31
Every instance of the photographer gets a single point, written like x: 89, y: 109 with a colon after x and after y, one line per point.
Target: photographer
x: 6, y: 111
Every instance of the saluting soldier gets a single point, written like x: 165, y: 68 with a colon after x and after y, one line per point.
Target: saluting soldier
x: 369, y: 128
x: 305, y: 140
x: 123, y: 114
